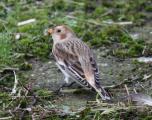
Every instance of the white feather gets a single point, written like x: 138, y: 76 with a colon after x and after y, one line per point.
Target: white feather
x: 66, y: 75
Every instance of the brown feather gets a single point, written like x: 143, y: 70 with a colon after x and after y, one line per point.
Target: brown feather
x: 71, y: 58
x: 62, y: 36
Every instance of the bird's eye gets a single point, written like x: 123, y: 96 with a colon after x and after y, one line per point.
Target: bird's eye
x: 58, y: 31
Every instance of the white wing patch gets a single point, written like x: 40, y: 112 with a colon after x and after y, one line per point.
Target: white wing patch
x: 61, y: 66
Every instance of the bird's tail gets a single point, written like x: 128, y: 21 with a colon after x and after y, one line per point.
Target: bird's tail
x: 103, y: 94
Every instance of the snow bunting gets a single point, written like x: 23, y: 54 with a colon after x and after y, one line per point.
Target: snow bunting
x: 75, y: 59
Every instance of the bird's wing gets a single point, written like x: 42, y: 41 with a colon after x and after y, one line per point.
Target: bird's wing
x: 76, y: 67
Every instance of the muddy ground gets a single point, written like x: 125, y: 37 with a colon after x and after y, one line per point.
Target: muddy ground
x: 113, y: 70
x: 102, y: 25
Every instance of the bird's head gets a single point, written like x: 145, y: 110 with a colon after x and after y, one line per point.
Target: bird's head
x: 61, y: 33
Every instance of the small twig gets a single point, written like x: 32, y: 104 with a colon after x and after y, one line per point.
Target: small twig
x: 135, y: 91
x: 33, y: 116
x: 127, y: 90
x: 143, y: 52
x: 103, y: 22
x: 125, y: 81
x: 15, y: 84
x: 10, y: 112
x: 19, y: 93
x: 9, y: 104
x: 9, y: 69
x: 71, y: 90
x: 74, y: 2
x: 3, y: 21
x: 141, y: 85
x: 22, y: 115
x: 2, y: 78
x: 129, y: 100
x: 117, y: 85
x: 147, y: 77
x: 35, y: 98
x: 106, y: 13
x: 118, y: 23
x: 26, y: 22
x: 144, y: 59
x: 6, y: 118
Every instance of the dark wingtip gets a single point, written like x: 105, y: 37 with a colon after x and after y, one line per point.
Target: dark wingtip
x: 105, y: 94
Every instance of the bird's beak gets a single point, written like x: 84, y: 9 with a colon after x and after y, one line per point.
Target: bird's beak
x: 50, y: 31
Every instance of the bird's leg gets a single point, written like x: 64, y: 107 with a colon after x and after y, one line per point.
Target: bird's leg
x: 67, y: 81
x: 68, y: 85
x: 65, y: 85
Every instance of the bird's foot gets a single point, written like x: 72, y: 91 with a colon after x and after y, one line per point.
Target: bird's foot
x: 58, y: 91
x: 68, y: 85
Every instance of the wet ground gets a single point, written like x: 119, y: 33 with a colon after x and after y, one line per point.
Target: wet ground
x: 112, y: 71
x: 88, y: 20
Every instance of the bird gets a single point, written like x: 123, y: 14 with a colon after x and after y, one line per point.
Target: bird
x: 75, y: 59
